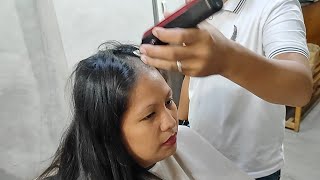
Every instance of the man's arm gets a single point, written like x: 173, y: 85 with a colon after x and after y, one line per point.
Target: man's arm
x: 282, y: 77
x: 286, y: 79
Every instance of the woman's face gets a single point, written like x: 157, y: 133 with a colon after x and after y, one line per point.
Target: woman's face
x: 150, y: 124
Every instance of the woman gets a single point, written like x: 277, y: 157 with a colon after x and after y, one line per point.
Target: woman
x: 125, y: 126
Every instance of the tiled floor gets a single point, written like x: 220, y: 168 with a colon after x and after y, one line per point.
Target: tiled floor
x: 302, y: 149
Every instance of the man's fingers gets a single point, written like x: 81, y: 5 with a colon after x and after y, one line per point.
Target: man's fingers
x: 160, y: 63
x: 167, y: 52
x: 187, y: 67
x: 206, y: 25
x: 176, y: 35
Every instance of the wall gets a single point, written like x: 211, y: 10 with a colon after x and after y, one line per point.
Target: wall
x: 32, y: 77
x: 85, y: 24
x: 40, y: 41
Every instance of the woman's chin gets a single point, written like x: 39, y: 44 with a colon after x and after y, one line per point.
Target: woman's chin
x: 171, y: 150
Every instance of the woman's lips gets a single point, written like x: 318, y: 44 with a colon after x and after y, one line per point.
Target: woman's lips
x: 171, y: 141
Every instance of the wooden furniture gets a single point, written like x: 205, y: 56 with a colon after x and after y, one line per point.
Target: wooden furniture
x: 295, y: 114
x: 311, y: 15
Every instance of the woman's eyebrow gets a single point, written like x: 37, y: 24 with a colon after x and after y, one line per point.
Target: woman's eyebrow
x: 141, y: 111
x: 169, y: 93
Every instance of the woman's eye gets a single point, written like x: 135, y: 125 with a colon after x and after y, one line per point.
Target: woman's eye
x: 150, y: 115
x: 169, y: 102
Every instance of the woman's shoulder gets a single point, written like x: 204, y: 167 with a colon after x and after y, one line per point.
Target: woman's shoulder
x: 189, y: 140
x: 187, y: 135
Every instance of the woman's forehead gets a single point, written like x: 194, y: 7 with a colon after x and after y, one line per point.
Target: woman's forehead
x: 149, y: 85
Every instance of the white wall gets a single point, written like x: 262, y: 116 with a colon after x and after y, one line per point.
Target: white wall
x: 85, y: 24
x: 40, y: 41
x: 32, y: 78
x: 168, y: 6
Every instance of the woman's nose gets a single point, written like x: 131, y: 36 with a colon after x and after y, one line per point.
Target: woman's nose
x: 168, y: 121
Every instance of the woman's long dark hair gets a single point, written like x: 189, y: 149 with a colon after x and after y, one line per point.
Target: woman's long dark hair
x: 92, y: 147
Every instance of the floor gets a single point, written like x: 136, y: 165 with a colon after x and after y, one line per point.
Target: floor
x: 302, y: 149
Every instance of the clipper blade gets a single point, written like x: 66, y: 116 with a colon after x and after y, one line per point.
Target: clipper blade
x: 137, y: 53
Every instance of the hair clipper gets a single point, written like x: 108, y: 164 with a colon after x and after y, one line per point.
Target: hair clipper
x: 188, y: 16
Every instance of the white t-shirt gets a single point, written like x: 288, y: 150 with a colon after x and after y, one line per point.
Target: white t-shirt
x: 246, y: 129
x: 196, y: 159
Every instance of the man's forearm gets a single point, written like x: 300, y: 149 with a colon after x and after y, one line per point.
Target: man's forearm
x: 279, y: 81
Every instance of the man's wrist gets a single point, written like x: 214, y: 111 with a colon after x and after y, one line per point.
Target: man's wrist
x: 230, y: 57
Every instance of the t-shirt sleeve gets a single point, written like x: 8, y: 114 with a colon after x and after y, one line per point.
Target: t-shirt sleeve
x: 284, y: 30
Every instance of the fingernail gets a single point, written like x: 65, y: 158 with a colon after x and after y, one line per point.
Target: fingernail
x: 143, y: 50
x: 156, y: 30
x: 143, y: 59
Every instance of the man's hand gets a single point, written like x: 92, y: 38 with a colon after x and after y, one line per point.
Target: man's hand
x: 202, y: 55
